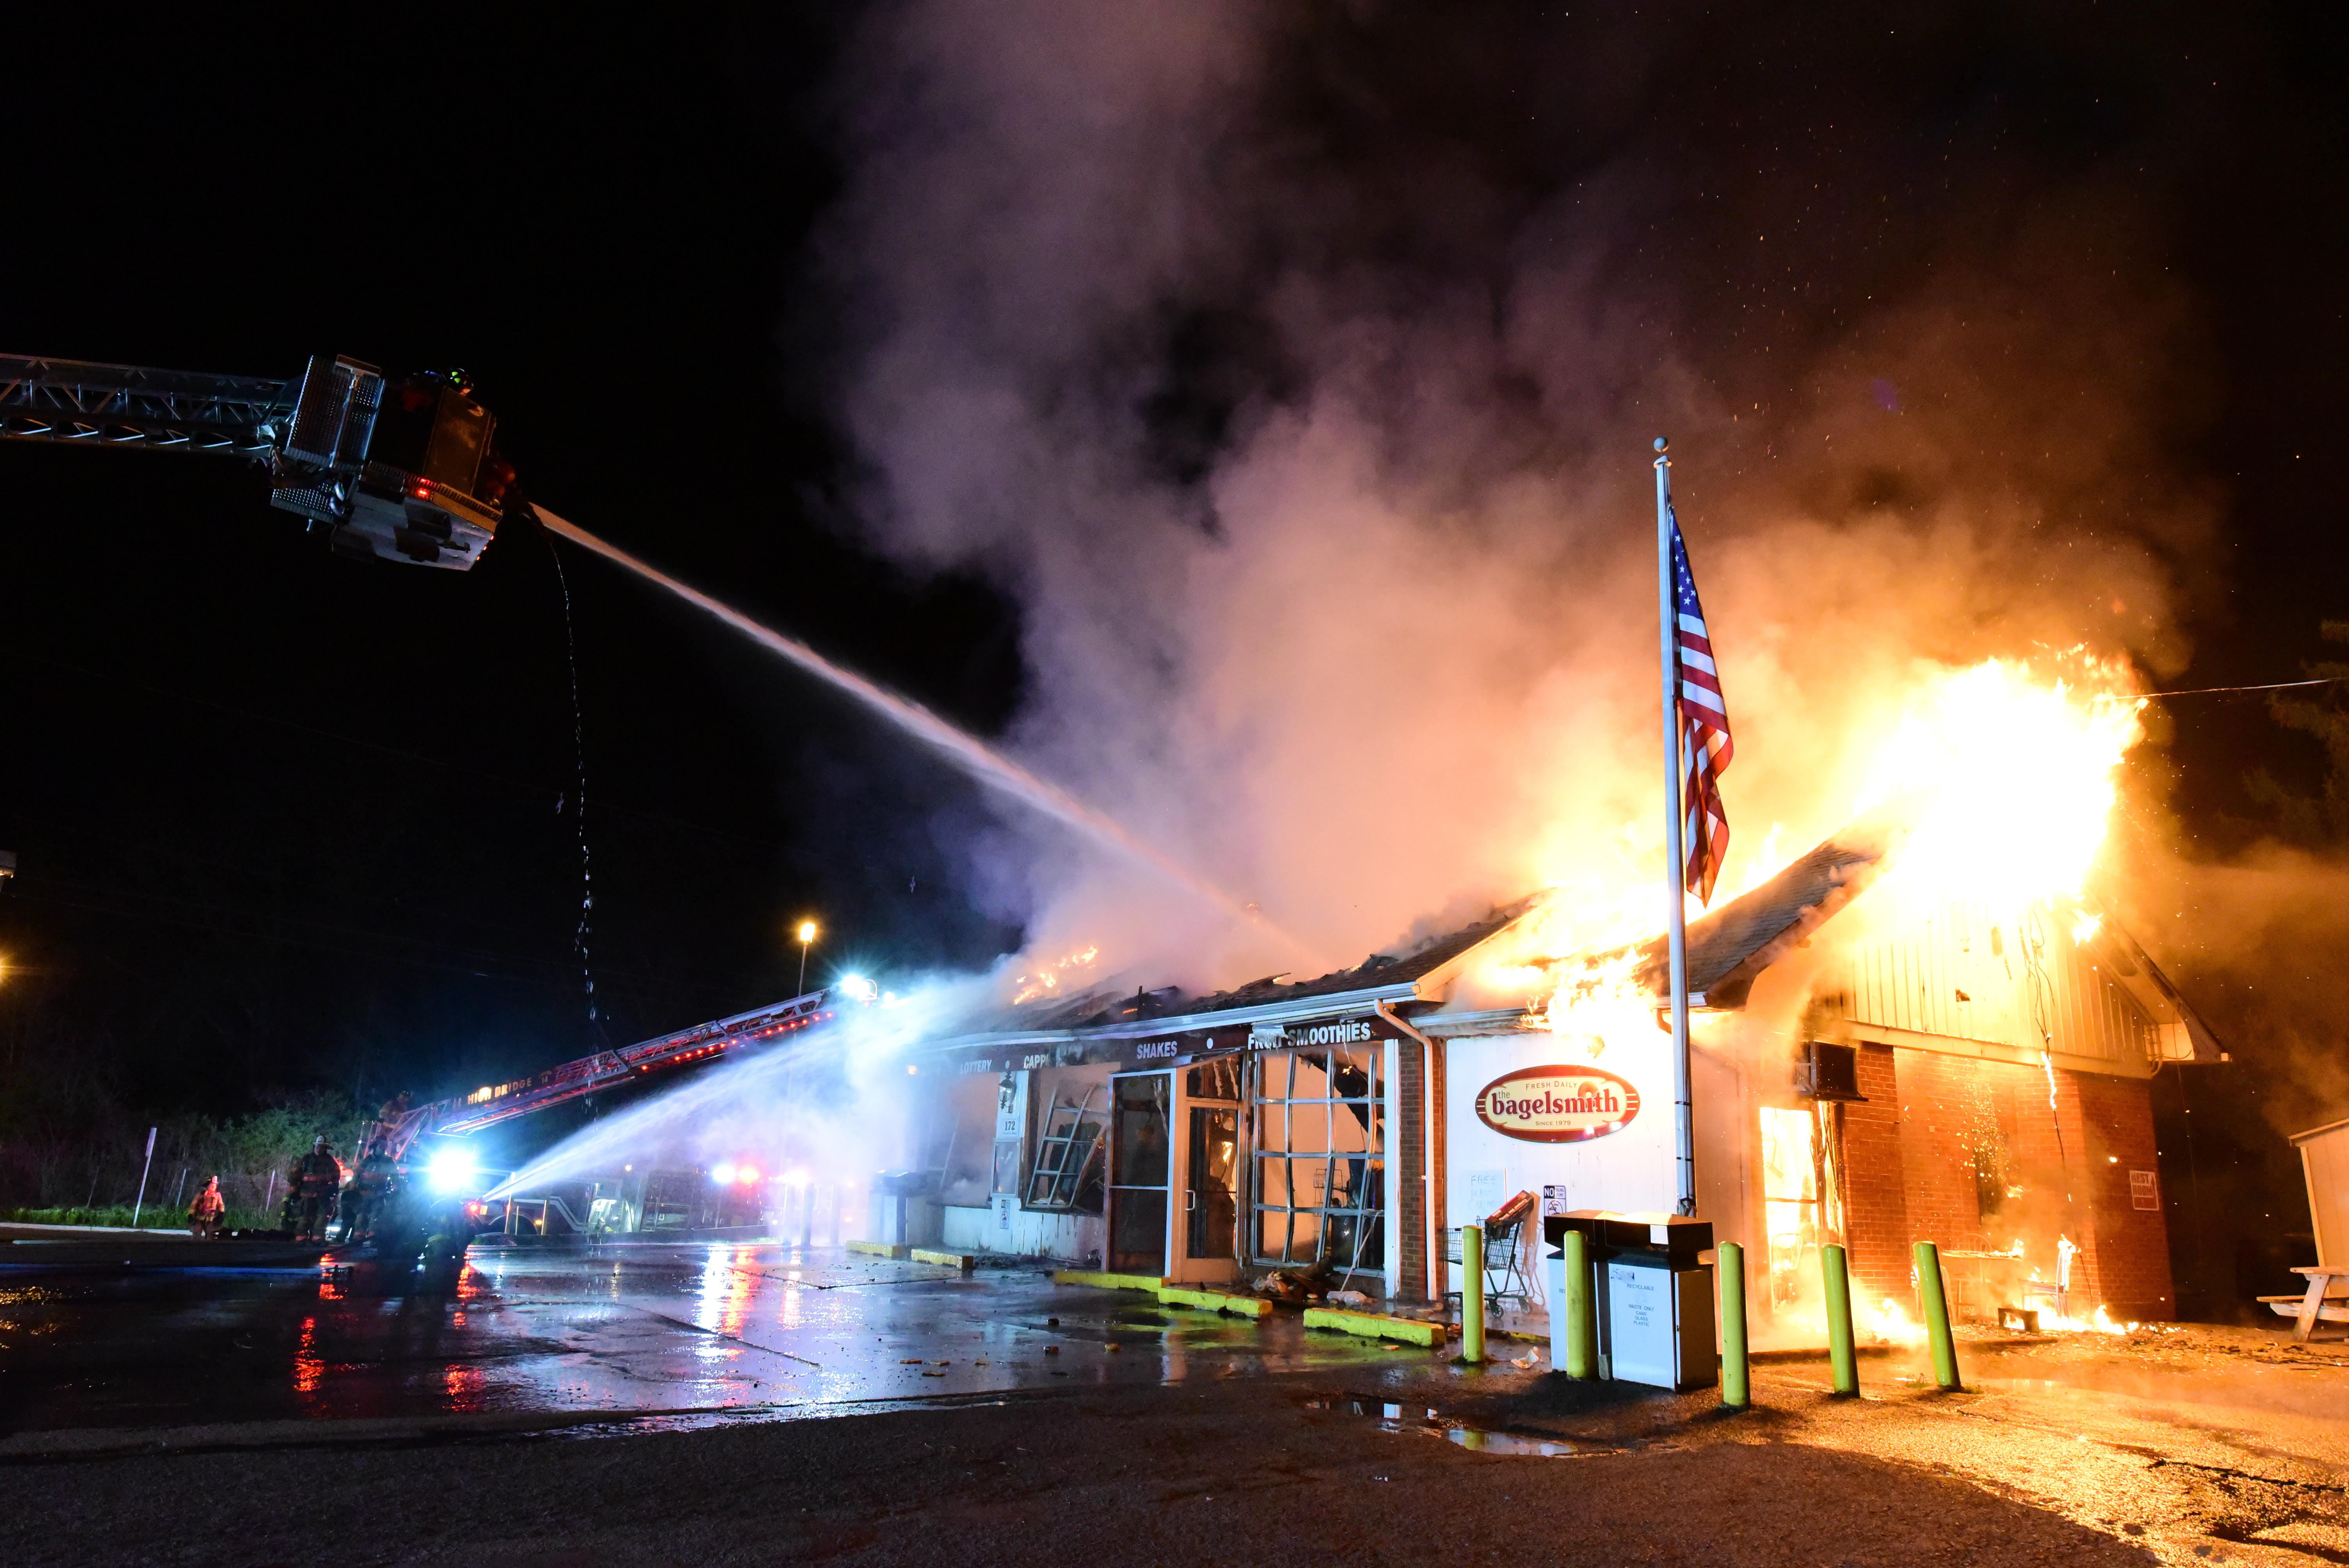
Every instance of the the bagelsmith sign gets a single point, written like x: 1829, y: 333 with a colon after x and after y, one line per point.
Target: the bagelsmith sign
x: 1555, y: 1103
x: 1140, y: 1052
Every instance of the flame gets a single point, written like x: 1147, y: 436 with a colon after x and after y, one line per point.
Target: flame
x: 2005, y: 779
x: 2098, y: 1322
x: 1601, y: 1003
x: 1883, y: 1322
x: 2085, y: 927
x: 1759, y: 866
x: 1888, y: 1322
x: 1572, y: 957
x: 2000, y: 776
x: 1045, y: 980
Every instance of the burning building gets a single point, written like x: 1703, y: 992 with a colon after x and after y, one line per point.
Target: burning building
x: 1923, y: 1029
x: 1926, y: 1027
x: 1984, y: 1085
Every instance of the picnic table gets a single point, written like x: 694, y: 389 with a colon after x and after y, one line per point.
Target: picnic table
x: 2326, y: 1299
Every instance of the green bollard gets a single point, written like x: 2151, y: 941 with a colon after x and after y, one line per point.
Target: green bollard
x: 1937, y: 1316
x: 1471, y: 1294
x: 1581, y: 1310
x: 1840, y: 1353
x: 1736, y: 1372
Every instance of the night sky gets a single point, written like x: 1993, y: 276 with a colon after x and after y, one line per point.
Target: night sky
x: 286, y: 820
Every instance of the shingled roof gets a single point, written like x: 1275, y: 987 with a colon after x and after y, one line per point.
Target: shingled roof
x: 1378, y: 969
x: 1727, y: 949
x: 1730, y: 946
x: 1107, y: 1006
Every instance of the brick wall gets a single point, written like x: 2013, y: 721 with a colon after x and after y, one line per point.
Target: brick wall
x: 1910, y: 1159
x: 2128, y: 1252
x: 1948, y: 1105
x: 1439, y: 1196
x: 1875, y: 1189
x: 1409, y: 1226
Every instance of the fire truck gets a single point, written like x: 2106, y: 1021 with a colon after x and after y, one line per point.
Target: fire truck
x: 400, y: 469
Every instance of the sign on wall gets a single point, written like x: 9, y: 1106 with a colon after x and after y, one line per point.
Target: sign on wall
x: 1140, y: 1052
x: 1557, y: 1104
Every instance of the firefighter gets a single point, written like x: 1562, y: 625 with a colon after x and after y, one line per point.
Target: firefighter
x: 318, y: 1183
x: 393, y: 1108
x: 371, y: 1190
x: 204, y: 1213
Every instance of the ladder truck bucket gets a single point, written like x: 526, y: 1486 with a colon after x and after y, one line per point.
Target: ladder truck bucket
x: 397, y: 469
x: 402, y: 469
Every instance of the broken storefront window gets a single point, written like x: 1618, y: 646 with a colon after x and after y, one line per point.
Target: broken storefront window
x: 1066, y: 1177
x: 1318, y: 1159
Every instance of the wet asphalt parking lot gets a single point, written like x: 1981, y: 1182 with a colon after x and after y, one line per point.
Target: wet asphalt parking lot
x: 719, y: 1329
x: 725, y: 1403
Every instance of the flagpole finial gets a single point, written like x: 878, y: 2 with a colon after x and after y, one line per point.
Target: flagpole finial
x: 1663, y: 443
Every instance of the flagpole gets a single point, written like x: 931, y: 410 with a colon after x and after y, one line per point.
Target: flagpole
x: 1675, y: 851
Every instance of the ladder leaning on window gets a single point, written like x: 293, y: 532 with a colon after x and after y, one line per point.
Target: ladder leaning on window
x: 1065, y: 1150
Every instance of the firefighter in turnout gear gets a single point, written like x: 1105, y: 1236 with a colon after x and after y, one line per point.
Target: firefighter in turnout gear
x: 371, y: 1190
x: 318, y: 1184
x: 204, y: 1213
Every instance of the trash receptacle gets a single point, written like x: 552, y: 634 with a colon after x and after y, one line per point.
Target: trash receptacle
x: 1654, y: 1296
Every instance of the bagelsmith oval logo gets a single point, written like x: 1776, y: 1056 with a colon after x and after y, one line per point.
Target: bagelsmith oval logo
x: 1557, y: 1103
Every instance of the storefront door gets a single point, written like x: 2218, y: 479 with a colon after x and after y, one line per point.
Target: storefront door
x: 1141, y: 1172
x: 1207, y: 1176
x: 1175, y: 1169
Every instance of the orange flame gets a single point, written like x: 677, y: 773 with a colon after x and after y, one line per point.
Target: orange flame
x: 1046, y: 980
x: 2001, y: 779
x: 2005, y: 781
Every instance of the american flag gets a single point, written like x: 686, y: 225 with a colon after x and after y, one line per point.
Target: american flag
x: 1705, y: 746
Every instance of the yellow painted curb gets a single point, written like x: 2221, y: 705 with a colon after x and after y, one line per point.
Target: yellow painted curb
x: 879, y: 1249
x: 1107, y: 1281
x: 1370, y: 1326
x: 962, y: 1261
x: 1215, y: 1301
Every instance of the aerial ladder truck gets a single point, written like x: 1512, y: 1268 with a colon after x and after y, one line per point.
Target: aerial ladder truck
x: 394, y: 468
x: 400, y: 468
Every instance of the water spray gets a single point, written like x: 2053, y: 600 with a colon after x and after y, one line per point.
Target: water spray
x: 967, y: 751
x: 841, y: 1075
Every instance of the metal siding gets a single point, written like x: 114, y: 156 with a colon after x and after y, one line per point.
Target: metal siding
x: 1911, y: 983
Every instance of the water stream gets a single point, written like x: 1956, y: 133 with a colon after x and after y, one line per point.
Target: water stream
x: 964, y: 751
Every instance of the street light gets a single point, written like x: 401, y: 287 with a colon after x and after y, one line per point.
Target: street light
x: 807, y: 934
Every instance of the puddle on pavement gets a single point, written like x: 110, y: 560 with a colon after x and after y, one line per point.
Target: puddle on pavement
x: 622, y: 1425
x: 1508, y: 1443
x: 1395, y: 1418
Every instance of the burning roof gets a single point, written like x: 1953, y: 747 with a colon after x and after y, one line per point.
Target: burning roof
x: 1729, y: 946
x: 1109, y: 1005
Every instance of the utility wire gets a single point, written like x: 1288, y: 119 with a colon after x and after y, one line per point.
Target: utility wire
x: 2213, y: 691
